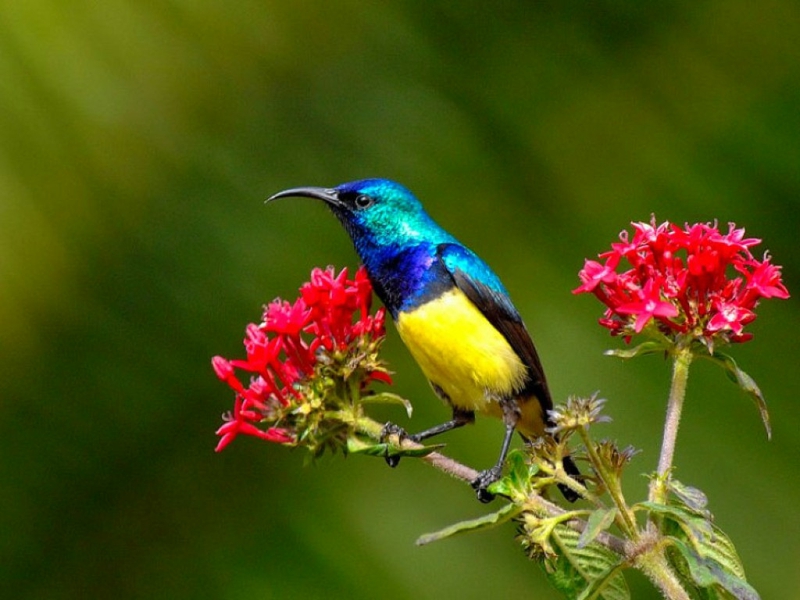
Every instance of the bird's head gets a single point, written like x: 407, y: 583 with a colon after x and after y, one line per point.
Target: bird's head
x: 374, y: 211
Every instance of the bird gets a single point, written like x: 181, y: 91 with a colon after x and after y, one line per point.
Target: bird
x: 451, y: 311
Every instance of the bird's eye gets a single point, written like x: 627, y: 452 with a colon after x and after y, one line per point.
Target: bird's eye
x: 363, y: 201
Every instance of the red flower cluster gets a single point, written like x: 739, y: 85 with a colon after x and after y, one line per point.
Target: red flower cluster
x: 286, y: 348
x: 693, y: 280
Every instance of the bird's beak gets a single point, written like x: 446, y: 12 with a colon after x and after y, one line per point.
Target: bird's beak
x: 327, y: 195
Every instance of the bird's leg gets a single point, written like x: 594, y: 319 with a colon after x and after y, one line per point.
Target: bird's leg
x: 511, y: 415
x: 460, y: 418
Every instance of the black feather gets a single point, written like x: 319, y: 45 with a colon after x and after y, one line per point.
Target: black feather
x: 501, y: 314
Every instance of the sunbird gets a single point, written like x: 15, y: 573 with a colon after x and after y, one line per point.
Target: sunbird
x: 451, y: 311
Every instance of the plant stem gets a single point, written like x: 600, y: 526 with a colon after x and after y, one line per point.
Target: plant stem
x: 682, y: 358
x: 626, y: 520
x: 654, y: 564
x: 440, y: 461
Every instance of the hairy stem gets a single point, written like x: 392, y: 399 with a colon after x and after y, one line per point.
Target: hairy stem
x: 467, y: 474
x: 680, y: 374
x: 626, y: 520
x: 654, y: 564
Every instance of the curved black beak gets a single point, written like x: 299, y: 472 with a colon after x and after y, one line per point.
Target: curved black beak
x: 330, y: 196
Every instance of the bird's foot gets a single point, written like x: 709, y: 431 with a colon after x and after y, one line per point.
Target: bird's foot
x: 484, y: 480
x: 388, y: 430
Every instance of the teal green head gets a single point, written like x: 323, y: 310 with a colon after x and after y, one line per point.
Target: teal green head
x: 379, y: 214
x: 397, y: 241
x: 382, y: 217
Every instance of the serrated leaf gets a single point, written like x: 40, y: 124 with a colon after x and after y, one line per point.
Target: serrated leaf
x: 717, y: 546
x: 606, y: 586
x: 694, y: 527
x: 746, y: 383
x: 649, y: 347
x: 599, y: 520
x: 691, y: 497
x: 508, y: 512
x: 709, y: 574
x: 388, y: 398
x: 709, y: 557
x: 516, y: 482
x: 586, y: 573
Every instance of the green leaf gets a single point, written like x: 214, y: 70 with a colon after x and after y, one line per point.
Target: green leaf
x: 690, y: 497
x: 710, y: 575
x: 516, y: 483
x: 357, y: 446
x: 508, y: 512
x: 649, y: 347
x: 695, y: 528
x: 519, y: 470
x: 584, y: 573
x: 611, y: 585
x: 747, y: 383
x: 600, y: 520
x: 705, y: 554
x: 388, y: 398
x: 717, y: 546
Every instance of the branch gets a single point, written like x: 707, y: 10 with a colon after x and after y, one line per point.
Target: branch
x: 467, y: 474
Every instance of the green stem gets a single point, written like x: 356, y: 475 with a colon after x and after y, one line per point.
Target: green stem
x: 654, y: 564
x: 373, y: 429
x: 627, y: 522
x: 682, y: 358
x: 369, y: 427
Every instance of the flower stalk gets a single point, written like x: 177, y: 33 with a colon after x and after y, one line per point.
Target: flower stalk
x: 682, y: 359
x: 654, y: 564
x: 611, y: 481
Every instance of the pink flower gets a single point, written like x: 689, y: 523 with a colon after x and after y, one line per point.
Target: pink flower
x: 729, y: 316
x: 282, y: 353
x: 648, y: 305
x: 693, y: 280
x: 241, y: 421
x: 595, y: 273
x: 765, y: 280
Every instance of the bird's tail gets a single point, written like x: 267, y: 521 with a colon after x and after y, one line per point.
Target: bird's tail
x: 572, y: 470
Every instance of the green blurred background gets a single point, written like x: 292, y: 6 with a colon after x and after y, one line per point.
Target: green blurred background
x: 137, y: 143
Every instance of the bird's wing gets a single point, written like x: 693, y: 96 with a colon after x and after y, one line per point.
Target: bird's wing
x: 491, y: 299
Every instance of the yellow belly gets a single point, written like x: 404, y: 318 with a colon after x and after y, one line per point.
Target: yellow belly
x: 461, y: 352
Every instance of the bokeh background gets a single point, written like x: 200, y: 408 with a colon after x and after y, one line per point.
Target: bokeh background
x: 137, y: 143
